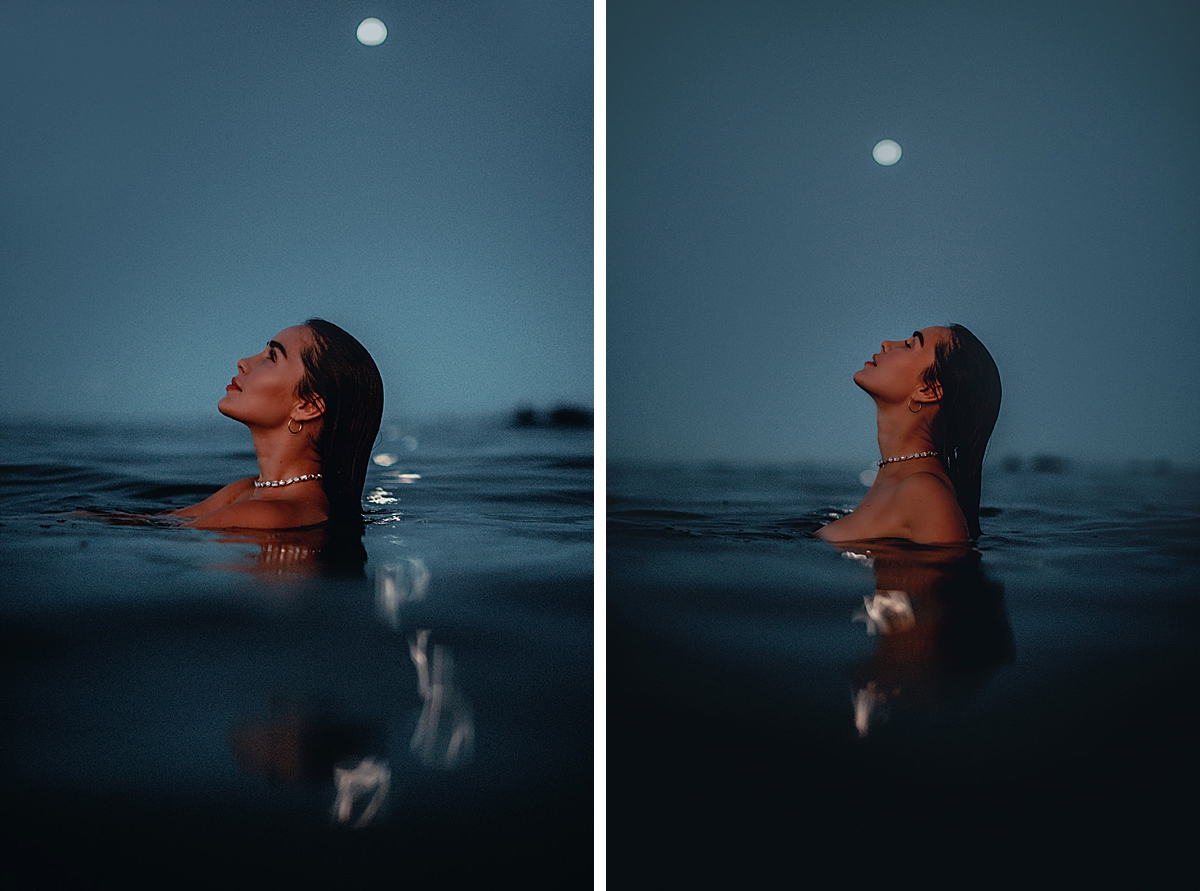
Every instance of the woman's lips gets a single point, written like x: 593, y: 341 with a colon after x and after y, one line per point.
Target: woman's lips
x: 233, y: 386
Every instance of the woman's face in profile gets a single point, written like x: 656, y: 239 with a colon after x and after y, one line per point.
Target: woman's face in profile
x: 899, y: 367
x: 263, y: 393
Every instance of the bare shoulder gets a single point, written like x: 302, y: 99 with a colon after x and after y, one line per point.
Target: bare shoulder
x: 928, y: 509
x: 921, y: 507
x: 223, y: 496
x: 260, y: 514
x: 925, y: 484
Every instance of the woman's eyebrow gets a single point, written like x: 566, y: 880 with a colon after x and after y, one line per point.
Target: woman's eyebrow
x: 917, y: 334
x: 279, y: 346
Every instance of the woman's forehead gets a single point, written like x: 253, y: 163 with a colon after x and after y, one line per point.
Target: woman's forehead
x: 294, y: 335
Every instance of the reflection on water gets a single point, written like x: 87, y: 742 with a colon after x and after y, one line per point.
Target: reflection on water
x: 445, y: 733
x: 886, y: 612
x: 328, y: 550
x: 445, y: 730
x: 940, y: 627
x: 309, y: 745
x: 295, y: 744
x: 397, y: 584
x: 361, y: 790
x: 284, y: 554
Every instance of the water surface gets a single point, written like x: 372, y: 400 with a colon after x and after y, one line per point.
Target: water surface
x: 413, y: 703
x: 774, y: 698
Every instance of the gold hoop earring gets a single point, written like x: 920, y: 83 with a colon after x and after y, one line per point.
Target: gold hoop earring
x: 289, y: 426
x: 910, y: 408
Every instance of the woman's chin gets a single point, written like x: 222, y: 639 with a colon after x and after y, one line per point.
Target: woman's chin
x: 863, y: 382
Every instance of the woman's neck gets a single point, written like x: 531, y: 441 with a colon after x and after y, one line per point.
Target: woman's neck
x: 902, y: 432
x: 282, y: 455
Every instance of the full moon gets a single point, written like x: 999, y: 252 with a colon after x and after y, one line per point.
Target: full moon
x: 886, y: 151
x: 372, y: 32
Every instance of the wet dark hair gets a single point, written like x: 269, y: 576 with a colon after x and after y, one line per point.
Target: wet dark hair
x: 967, y: 413
x: 340, y: 371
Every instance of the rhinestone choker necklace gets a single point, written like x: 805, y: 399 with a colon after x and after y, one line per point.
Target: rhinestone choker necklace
x: 899, y: 458
x: 263, y: 484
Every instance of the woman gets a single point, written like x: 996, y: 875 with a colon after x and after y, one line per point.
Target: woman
x: 313, y: 400
x: 937, y: 396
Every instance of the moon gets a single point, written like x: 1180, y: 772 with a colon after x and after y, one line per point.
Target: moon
x: 886, y: 152
x: 372, y: 32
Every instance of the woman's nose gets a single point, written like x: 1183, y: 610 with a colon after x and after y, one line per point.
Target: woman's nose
x: 242, y: 366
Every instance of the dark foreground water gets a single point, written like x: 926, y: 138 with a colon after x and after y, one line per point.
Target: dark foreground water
x: 193, y: 708
x: 782, y: 712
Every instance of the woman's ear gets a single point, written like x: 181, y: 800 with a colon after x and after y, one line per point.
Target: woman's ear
x: 309, y: 411
x: 928, y: 393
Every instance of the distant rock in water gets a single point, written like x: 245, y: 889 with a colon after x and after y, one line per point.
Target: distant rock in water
x: 525, y: 417
x: 1049, y: 464
x: 564, y: 417
x: 1036, y: 464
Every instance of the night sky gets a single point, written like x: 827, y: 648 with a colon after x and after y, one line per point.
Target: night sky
x: 1048, y: 198
x: 178, y: 181
x: 181, y: 180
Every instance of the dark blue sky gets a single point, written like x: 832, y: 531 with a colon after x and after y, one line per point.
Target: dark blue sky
x: 1048, y: 198
x: 180, y: 180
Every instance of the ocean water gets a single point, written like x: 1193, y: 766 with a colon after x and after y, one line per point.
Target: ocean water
x: 776, y: 704
x: 412, y: 704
